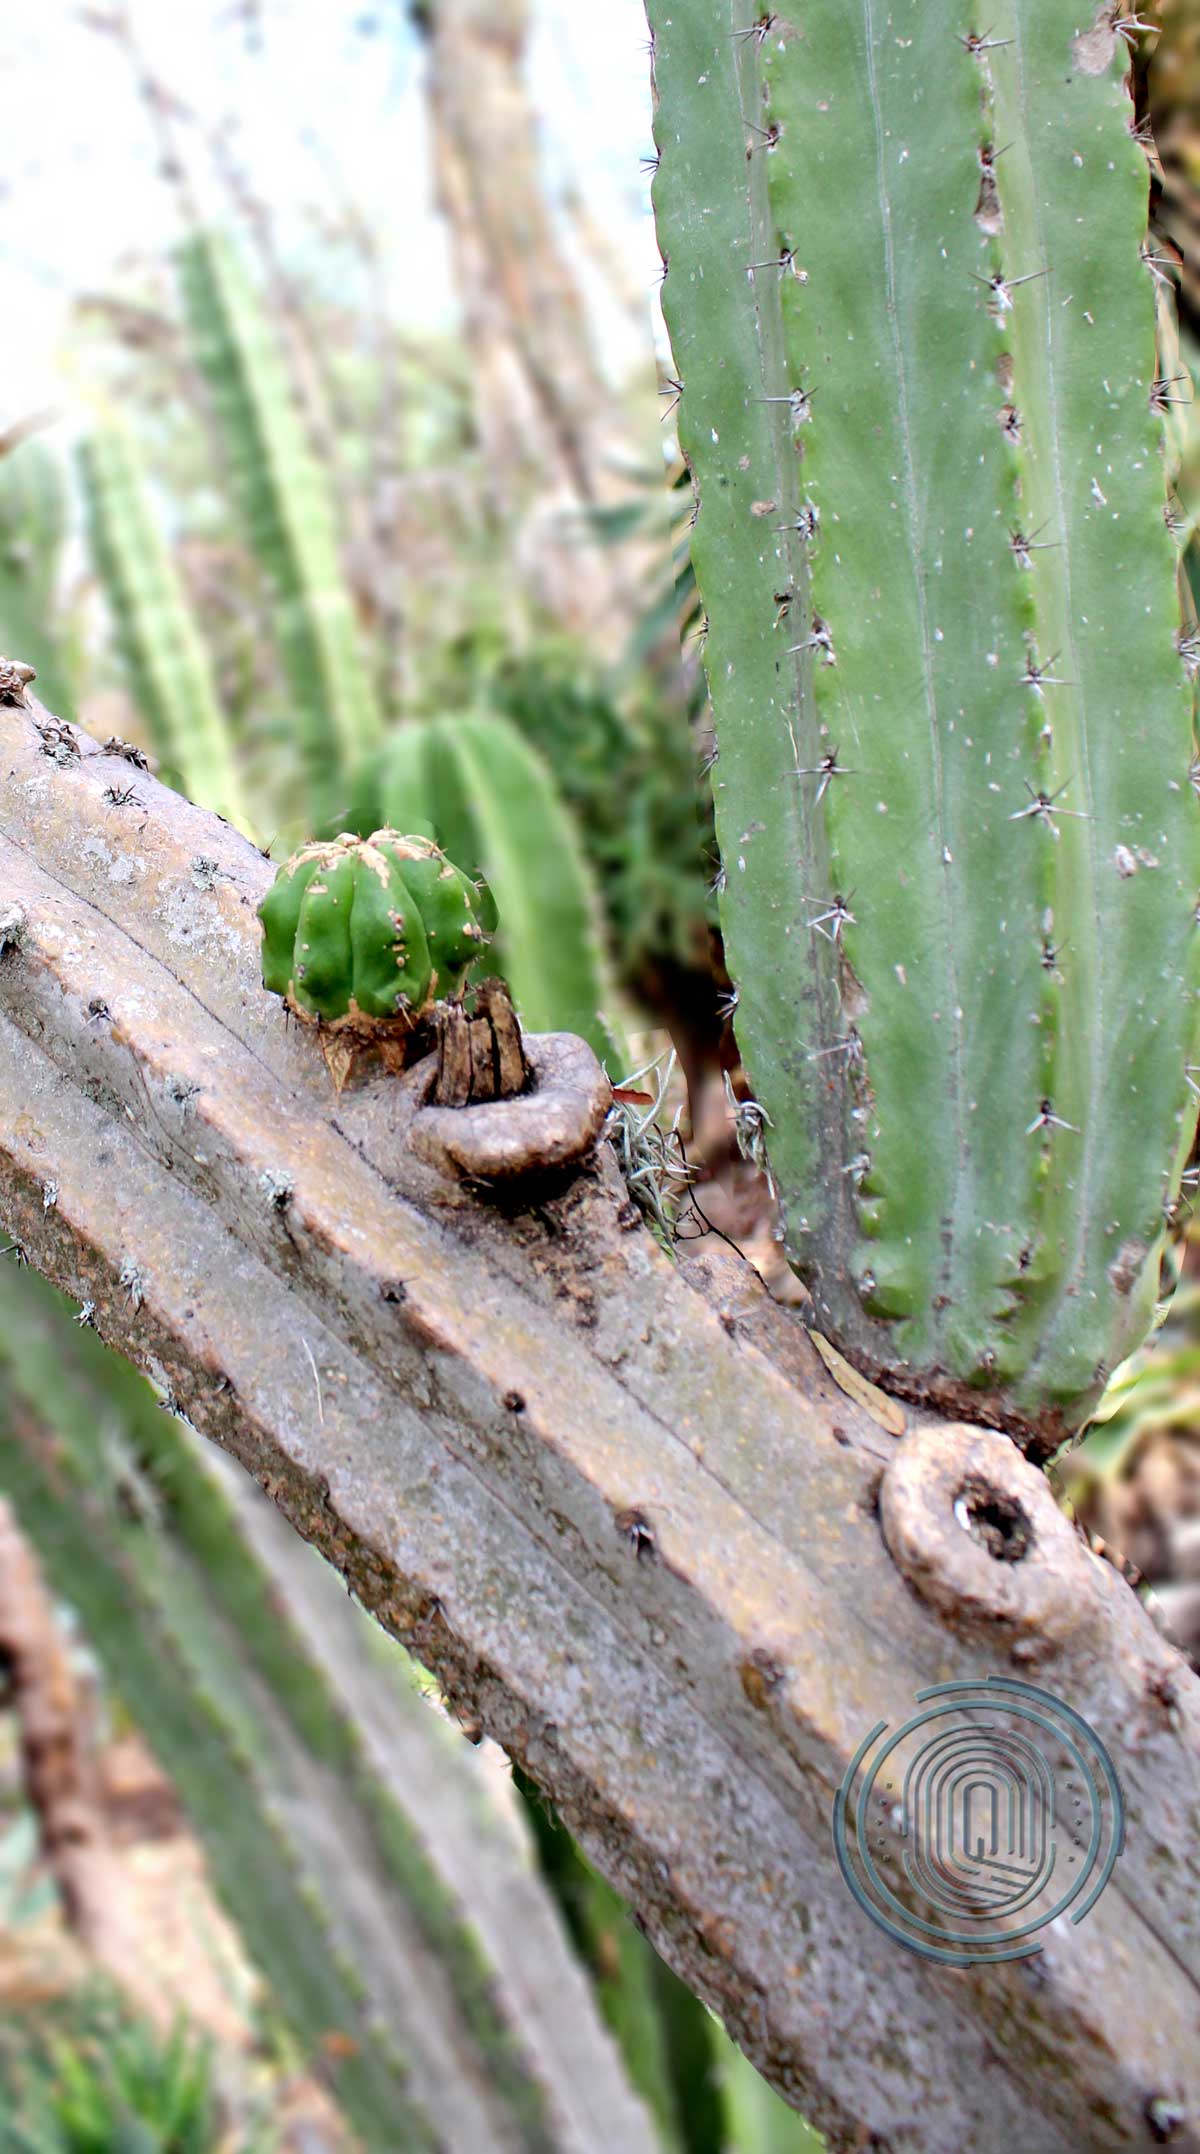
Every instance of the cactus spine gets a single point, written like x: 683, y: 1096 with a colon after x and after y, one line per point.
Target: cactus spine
x: 168, y: 664
x: 960, y: 846
x: 491, y: 800
x: 287, y: 512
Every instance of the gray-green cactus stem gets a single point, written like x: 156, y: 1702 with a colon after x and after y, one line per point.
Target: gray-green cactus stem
x: 920, y: 404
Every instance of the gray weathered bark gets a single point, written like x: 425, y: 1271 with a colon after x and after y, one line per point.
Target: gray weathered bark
x: 619, y: 1506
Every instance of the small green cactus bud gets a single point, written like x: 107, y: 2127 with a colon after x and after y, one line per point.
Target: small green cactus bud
x: 366, y: 934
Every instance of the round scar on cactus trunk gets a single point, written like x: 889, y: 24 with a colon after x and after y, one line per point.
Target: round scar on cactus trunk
x: 363, y: 936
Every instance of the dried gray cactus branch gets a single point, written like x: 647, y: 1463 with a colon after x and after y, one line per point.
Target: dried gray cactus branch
x: 618, y: 1505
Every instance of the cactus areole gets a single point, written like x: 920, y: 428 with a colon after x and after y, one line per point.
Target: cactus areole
x: 363, y: 935
x: 912, y: 310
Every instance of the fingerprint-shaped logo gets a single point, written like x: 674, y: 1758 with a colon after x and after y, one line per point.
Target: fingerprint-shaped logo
x: 991, y: 1812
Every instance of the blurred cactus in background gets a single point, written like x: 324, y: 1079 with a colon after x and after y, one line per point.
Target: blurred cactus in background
x: 628, y: 777
x: 33, y: 525
x: 283, y: 499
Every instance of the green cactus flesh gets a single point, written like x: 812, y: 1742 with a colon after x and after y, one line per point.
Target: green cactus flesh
x: 959, y: 842
x: 367, y: 931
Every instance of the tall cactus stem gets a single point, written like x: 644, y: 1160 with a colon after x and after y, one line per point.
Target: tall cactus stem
x: 909, y: 309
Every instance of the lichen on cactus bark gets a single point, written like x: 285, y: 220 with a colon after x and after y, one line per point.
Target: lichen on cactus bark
x: 911, y: 312
x: 363, y: 936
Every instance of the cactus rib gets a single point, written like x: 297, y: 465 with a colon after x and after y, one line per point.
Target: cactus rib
x: 1105, y: 597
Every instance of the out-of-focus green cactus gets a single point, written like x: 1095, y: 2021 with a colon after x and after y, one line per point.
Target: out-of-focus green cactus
x: 287, y: 511
x: 368, y: 933
x: 706, y: 2097
x: 387, y: 1900
x: 628, y: 777
x: 88, y: 2074
x: 960, y: 842
x: 33, y: 519
x: 168, y: 665
x: 491, y: 801
x: 144, y: 1611
x: 651, y: 2015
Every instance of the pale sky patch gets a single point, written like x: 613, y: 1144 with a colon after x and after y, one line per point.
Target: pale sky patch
x: 80, y: 192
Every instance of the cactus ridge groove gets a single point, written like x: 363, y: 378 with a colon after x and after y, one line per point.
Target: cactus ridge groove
x: 949, y: 871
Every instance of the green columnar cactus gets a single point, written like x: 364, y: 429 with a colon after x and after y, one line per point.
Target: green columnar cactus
x: 287, y: 512
x: 364, y: 935
x: 33, y: 520
x: 960, y: 846
x: 168, y: 665
x: 491, y: 800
